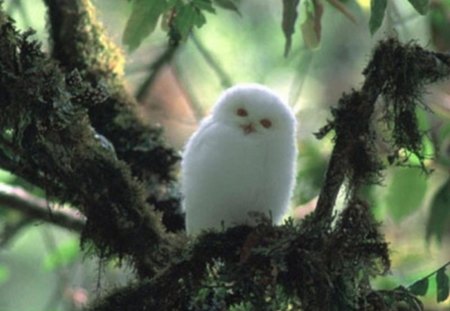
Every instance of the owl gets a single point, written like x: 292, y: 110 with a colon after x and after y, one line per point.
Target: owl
x: 241, y: 159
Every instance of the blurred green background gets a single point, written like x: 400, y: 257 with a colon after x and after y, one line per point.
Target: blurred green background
x: 41, y: 266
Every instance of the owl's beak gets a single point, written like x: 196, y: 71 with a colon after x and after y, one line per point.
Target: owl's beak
x: 248, y: 128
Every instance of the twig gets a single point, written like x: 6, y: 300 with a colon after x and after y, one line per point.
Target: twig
x: 165, y: 58
x: 33, y: 207
x: 429, y: 275
x: 224, y: 78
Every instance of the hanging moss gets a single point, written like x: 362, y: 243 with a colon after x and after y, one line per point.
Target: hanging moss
x: 396, y: 75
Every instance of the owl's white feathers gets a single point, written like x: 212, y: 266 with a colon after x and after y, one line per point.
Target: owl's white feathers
x: 240, y: 160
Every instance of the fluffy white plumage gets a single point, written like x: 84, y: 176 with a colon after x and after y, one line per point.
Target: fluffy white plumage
x: 240, y: 160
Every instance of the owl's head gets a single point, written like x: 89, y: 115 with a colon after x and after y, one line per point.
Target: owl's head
x: 254, y: 109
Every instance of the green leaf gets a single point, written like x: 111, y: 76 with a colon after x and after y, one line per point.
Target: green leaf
x: 420, y: 287
x: 4, y: 274
x: 421, y: 6
x: 442, y: 283
x: 288, y: 23
x: 65, y: 254
x: 439, y: 213
x: 188, y: 16
x: 205, y: 5
x: 406, y: 192
x: 228, y: 5
x: 142, y: 21
x: 310, y: 22
x: 377, y: 9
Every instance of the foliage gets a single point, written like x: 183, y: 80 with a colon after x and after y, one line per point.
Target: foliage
x: 377, y: 8
x: 179, y: 17
x: 412, y: 181
x: 420, y: 287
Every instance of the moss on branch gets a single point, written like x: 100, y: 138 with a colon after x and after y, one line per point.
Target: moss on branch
x: 397, y: 74
x: 268, y: 268
x: 48, y: 139
x: 79, y: 43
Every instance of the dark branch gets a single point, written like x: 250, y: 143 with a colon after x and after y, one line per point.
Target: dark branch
x: 36, y: 208
x: 164, y: 59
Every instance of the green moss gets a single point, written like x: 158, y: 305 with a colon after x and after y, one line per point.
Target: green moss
x: 50, y: 142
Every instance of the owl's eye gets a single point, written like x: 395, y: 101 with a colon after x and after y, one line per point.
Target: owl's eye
x: 242, y: 112
x: 266, y: 123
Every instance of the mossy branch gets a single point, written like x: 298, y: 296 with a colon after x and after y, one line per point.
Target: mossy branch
x: 397, y: 73
x: 267, y: 268
x: 79, y: 43
x: 47, y: 138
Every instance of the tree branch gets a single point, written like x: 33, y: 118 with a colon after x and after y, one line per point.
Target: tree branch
x: 34, y: 207
x: 164, y: 59
x: 399, y: 73
x: 79, y: 43
x: 292, y: 264
x: 54, y: 146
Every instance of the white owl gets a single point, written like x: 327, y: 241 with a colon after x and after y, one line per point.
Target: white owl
x: 240, y: 160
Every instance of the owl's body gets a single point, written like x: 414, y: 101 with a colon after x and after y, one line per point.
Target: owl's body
x: 240, y: 160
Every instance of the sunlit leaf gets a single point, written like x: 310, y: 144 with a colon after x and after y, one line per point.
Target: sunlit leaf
x: 405, y: 193
x: 377, y: 9
x: 4, y: 274
x: 228, y: 5
x: 442, y: 283
x: 310, y: 22
x: 420, y: 287
x: 421, y: 6
x: 288, y: 23
x: 142, y: 22
x: 65, y: 254
x: 439, y: 213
